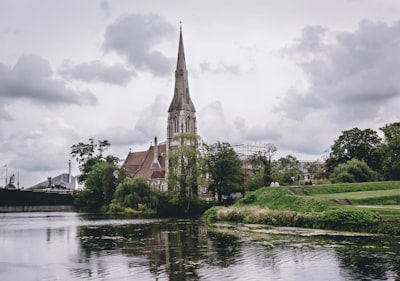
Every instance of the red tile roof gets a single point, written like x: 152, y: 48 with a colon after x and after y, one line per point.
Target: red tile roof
x: 139, y: 163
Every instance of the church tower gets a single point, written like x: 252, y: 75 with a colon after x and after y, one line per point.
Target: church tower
x: 181, y: 112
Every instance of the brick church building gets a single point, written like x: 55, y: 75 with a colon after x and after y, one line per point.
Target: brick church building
x: 152, y: 164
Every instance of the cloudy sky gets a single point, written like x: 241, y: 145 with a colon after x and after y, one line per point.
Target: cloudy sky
x: 291, y: 73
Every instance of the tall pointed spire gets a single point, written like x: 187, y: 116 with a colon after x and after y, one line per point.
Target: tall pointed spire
x: 181, y: 99
x: 181, y: 112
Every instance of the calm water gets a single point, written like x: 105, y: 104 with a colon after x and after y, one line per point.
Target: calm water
x: 71, y: 246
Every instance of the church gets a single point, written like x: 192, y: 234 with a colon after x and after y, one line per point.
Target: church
x: 152, y: 164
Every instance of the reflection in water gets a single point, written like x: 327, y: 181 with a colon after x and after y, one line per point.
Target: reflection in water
x: 69, y: 246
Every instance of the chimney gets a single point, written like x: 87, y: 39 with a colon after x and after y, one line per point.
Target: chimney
x: 69, y: 171
x: 155, y: 165
x: 155, y: 149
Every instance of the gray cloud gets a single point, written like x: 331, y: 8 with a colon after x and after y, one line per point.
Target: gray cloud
x: 96, y: 71
x: 135, y: 37
x: 32, y: 78
x: 349, y: 79
x: 105, y: 7
x: 222, y: 68
x: 152, y: 122
x: 4, y: 115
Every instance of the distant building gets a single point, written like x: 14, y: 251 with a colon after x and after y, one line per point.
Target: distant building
x: 152, y: 164
x: 64, y: 180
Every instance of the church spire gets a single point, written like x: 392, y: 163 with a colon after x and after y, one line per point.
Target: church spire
x: 181, y: 99
x: 181, y: 112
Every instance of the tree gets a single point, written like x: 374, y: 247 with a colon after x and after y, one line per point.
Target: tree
x: 186, y: 169
x: 391, y: 151
x: 224, y: 169
x: 263, y: 160
x: 285, y: 168
x: 353, y: 170
x: 134, y: 193
x: 355, y: 143
x: 88, y: 154
x: 100, y: 186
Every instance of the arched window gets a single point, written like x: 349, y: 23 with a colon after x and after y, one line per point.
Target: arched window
x: 176, y: 125
x: 187, y: 124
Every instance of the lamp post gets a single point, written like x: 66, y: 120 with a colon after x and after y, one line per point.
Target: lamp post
x: 5, y: 166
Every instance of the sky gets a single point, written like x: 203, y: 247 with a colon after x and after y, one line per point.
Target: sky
x: 290, y: 73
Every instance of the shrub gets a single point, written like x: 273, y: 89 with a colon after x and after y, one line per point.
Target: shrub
x: 115, y: 207
x: 349, y: 219
x: 211, y: 214
x: 353, y: 170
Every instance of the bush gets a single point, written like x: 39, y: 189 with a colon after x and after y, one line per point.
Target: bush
x: 353, y: 170
x: 211, y: 214
x: 349, y: 219
x: 115, y: 207
x: 257, y: 215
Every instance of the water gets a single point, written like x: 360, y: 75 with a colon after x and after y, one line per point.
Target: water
x: 71, y: 246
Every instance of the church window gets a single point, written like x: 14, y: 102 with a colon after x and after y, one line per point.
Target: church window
x: 176, y: 125
x: 187, y: 124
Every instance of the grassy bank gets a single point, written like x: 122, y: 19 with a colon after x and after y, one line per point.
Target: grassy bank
x: 336, y: 207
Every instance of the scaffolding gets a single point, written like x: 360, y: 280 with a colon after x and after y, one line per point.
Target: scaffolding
x: 244, y: 151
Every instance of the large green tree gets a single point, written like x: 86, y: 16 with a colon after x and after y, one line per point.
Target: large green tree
x: 88, y: 154
x: 391, y: 151
x: 101, y: 174
x: 186, y: 169
x: 356, y: 144
x: 224, y: 168
x: 100, y: 186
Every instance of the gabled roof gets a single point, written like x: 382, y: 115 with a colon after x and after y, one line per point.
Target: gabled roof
x: 140, y: 164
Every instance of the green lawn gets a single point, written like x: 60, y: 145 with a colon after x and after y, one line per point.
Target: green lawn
x: 385, y: 202
x: 360, y: 194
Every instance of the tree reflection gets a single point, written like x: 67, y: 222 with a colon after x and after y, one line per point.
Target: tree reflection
x: 175, y: 249
x: 369, y: 258
x: 185, y: 250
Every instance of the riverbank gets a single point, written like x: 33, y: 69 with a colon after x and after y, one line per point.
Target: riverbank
x: 319, y: 207
x: 49, y: 208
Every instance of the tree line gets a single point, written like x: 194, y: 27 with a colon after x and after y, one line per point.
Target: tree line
x: 356, y: 156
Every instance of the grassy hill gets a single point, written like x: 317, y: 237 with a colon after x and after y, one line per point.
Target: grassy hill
x: 371, y: 207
